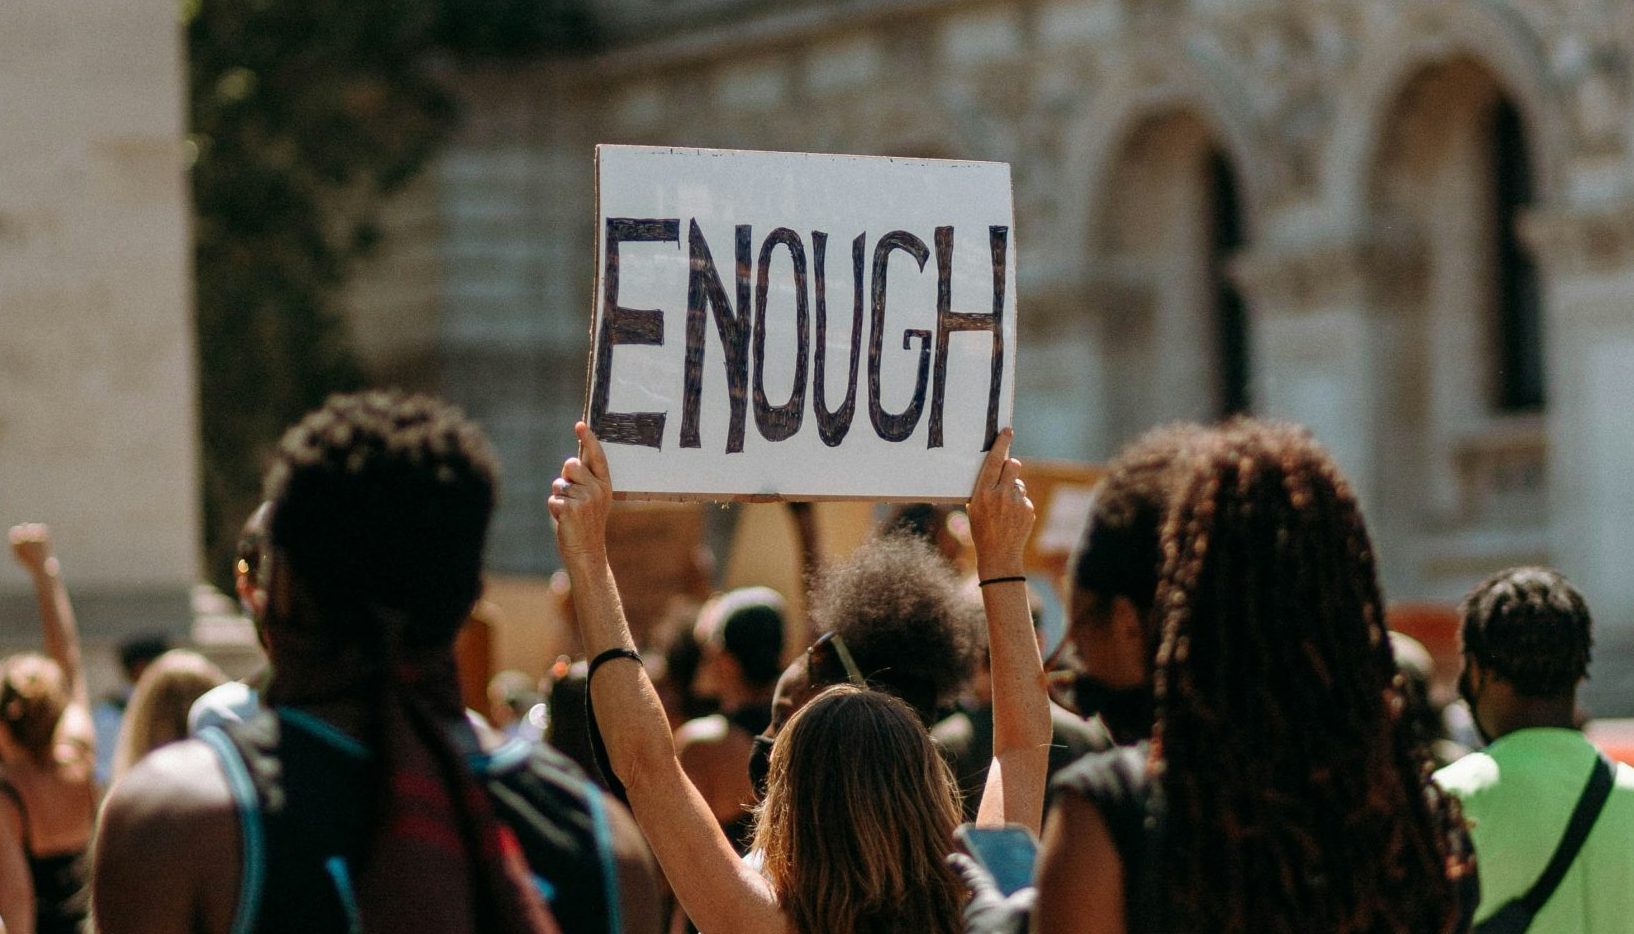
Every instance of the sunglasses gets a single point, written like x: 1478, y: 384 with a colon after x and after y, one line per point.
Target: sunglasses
x: 821, y: 655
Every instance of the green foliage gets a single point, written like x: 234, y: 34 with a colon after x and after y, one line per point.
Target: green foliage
x: 517, y: 27
x: 306, y: 115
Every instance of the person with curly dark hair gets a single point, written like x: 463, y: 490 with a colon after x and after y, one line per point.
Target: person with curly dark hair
x: 900, y: 610
x: 1279, y: 790
x: 892, y: 617
x: 362, y: 797
x: 1528, y: 637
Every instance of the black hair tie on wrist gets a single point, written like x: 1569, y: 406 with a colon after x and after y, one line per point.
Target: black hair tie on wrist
x: 1002, y: 580
x: 606, y: 657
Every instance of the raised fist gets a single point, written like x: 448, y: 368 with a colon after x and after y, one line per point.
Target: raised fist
x: 31, y: 546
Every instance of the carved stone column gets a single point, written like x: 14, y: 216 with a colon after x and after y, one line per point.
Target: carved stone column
x: 1318, y: 346
x: 1588, y: 262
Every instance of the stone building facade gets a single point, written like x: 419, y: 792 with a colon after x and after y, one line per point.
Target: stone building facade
x: 98, y: 434
x: 1409, y: 225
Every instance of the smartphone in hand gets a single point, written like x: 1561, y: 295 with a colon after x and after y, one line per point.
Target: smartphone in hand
x: 1007, y: 853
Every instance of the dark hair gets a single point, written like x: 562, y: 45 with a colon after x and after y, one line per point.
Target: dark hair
x: 921, y: 520
x: 1118, y: 554
x: 1530, y: 627
x: 1296, y: 801
x: 381, y: 501
x: 1414, y: 667
x: 140, y: 650
x: 252, y: 542
x: 682, y: 657
x: 898, y: 607
x: 751, y: 630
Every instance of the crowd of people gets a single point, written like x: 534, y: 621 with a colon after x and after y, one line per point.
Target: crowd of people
x: 1228, y: 737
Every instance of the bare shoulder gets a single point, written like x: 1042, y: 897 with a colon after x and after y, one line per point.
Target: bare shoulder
x: 175, y: 810
x: 1080, y: 876
x: 180, y: 781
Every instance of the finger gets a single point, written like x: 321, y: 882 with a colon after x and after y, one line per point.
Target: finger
x: 591, y: 452
x: 994, y: 462
x: 559, y: 486
x: 577, y: 471
x: 1009, y: 472
x: 975, y: 878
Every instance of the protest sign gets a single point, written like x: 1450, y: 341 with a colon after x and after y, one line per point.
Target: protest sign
x: 800, y: 326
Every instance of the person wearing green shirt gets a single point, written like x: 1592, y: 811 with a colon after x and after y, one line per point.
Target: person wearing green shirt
x: 1527, y: 640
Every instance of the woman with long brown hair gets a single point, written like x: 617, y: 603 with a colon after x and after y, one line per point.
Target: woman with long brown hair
x: 859, y: 808
x: 47, y: 761
x: 1281, y: 789
x: 157, y: 714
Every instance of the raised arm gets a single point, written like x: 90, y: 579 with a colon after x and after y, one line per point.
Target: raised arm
x: 718, y: 891
x: 1001, y: 517
x: 31, y: 546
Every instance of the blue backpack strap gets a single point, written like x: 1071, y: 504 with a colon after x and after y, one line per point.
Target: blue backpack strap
x: 341, y: 875
x: 253, y: 873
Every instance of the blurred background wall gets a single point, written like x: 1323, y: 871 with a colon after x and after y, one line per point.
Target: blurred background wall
x: 98, y: 425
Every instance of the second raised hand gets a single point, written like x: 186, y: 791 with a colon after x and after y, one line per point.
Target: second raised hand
x: 1001, y: 513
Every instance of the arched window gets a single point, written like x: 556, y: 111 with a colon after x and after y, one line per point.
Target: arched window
x: 1518, y: 379
x: 1230, y: 311
x: 1174, y: 325
x: 1460, y: 380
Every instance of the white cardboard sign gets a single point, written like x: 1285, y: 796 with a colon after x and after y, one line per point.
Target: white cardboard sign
x: 800, y: 326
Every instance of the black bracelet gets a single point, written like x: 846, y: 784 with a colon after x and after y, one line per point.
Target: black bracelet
x: 1022, y: 578
x: 606, y: 657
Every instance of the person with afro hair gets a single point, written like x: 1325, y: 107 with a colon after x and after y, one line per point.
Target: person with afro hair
x: 908, y: 625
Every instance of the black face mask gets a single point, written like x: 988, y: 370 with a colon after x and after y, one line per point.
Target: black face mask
x: 1471, y: 696
x: 760, y: 764
x: 1127, y: 712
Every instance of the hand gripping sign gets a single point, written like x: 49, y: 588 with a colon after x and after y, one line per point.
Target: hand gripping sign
x: 800, y: 326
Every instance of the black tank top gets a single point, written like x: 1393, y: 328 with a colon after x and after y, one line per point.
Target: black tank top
x: 303, y: 792
x: 1115, y: 782
x: 61, y: 892
x: 1131, y: 803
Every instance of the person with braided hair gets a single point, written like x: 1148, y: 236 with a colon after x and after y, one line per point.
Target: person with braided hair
x: 1527, y: 638
x: 1280, y: 790
x: 362, y: 797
